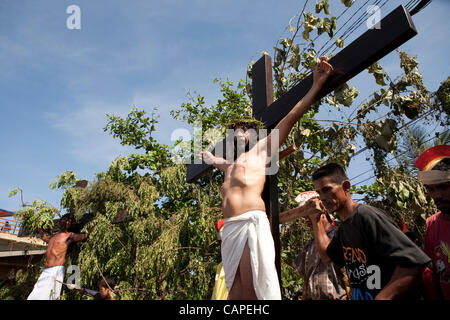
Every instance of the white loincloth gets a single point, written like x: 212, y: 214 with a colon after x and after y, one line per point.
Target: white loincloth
x: 47, y: 288
x: 254, y: 227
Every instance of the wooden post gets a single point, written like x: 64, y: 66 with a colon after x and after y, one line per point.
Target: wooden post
x: 262, y: 85
x: 262, y: 94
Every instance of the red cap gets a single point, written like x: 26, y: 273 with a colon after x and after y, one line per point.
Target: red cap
x: 432, y: 156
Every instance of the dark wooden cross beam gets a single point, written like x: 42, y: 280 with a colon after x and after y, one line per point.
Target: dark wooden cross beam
x: 396, y: 29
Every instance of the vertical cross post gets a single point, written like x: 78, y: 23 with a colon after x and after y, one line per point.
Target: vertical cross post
x: 262, y: 96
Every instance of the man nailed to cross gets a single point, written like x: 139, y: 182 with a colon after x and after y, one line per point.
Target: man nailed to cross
x: 241, y: 195
x: 49, y: 284
x: 248, y: 251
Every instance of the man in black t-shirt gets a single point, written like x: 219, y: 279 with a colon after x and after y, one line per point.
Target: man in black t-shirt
x: 381, y: 261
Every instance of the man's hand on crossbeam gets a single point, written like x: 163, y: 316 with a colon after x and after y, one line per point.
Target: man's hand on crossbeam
x: 218, y: 162
x: 312, y: 208
x: 316, y: 210
x: 321, y: 73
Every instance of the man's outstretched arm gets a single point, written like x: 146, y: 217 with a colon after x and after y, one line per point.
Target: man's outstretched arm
x: 43, y: 235
x: 321, y: 74
x: 78, y: 237
x: 218, y: 162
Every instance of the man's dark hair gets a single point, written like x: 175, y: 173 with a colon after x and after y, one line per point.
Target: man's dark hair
x: 106, y: 282
x: 332, y: 170
x: 443, y: 165
x: 63, y: 220
x: 247, y: 122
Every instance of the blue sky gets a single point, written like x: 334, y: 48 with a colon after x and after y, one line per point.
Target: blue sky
x: 57, y: 84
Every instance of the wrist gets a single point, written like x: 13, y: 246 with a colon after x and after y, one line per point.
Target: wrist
x: 381, y: 296
x: 315, y: 225
x: 315, y: 88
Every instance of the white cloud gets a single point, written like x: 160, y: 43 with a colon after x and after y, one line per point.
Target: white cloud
x: 81, y: 124
x: 85, y: 139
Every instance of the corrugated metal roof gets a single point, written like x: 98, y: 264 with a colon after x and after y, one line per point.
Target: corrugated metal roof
x: 6, y: 213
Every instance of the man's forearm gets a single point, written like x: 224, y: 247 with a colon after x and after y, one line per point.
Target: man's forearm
x: 320, y: 75
x: 311, y: 95
x: 44, y: 237
x: 321, y: 241
x: 79, y: 237
x: 219, y: 163
x: 402, y: 280
x: 219, y: 160
x: 301, y: 107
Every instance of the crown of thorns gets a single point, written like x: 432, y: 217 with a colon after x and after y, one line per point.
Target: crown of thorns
x: 246, y: 122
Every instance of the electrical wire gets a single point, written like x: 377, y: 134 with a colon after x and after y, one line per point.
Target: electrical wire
x: 340, y: 28
x: 399, y: 155
x: 419, y: 7
x: 402, y: 127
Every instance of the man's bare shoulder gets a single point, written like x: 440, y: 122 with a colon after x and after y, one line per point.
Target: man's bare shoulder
x: 61, y: 236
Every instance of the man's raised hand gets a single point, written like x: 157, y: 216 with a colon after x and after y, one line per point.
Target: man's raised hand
x: 316, y: 210
x: 209, y: 158
x: 322, y: 72
x: 206, y: 157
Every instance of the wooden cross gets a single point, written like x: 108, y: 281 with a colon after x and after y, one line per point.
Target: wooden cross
x: 395, y: 29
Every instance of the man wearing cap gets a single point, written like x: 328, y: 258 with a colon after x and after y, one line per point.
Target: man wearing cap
x: 434, y: 166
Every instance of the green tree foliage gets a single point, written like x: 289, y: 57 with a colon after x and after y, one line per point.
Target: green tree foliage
x: 442, y: 96
x: 154, y: 233
x: 39, y: 215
